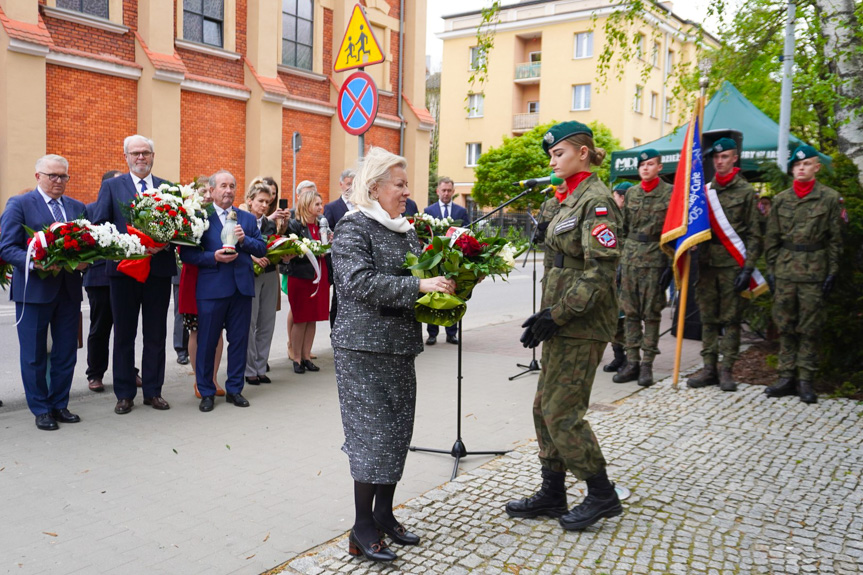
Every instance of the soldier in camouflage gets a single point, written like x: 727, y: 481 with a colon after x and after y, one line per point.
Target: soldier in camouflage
x: 619, y: 194
x: 646, y: 272
x: 720, y: 278
x: 547, y: 211
x: 578, y: 318
x: 802, y: 245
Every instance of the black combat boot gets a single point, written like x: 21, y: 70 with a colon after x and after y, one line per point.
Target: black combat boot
x: 726, y: 379
x: 804, y: 390
x: 619, y: 358
x: 785, y: 386
x: 628, y: 372
x: 601, y: 502
x: 705, y: 378
x: 549, y: 500
x: 645, y: 374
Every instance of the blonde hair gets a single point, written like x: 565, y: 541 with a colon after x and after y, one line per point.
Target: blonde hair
x: 597, y: 155
x: 374, y: 170
x: 305, y: 201
x: 257, y: 186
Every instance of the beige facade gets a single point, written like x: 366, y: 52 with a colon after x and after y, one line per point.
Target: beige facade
x: 543, y: 68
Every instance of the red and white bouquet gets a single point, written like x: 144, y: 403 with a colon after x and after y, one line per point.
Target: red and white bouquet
x: 292, y: 245
x: 428, y: 226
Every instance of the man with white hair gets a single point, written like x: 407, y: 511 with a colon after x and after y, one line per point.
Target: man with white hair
x: 42, y: 304
x: 129, y: 297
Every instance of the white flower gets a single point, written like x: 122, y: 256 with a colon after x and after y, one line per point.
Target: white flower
x: 507, y: 254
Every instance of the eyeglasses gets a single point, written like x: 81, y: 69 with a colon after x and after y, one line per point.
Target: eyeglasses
x: 142, y: 154
x: 57, y: 177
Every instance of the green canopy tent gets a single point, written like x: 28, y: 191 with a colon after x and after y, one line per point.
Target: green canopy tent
x: 727, y: 109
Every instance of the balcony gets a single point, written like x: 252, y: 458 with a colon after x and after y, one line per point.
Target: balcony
x: 528, y: 73
x: 524, y: 122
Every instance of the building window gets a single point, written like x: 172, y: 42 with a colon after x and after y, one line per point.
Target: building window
x: 475, y: 103
x: 669, y: 60
x: 654, y: 55
x: 533, y: 107
x: 203, y: 21
x: 639, y: 46
x: 297, y: 33
x: 581, y: 97
x: 534, y: 57
x: 477, y: 58
x: 636, y: 101
x: 654, y: 104
x: 92, y: 7
x: 583, y: 45
x: 474, y: 151
x: 666, y: 111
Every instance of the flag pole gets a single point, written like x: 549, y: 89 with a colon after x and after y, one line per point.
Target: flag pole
x: 681, y: 318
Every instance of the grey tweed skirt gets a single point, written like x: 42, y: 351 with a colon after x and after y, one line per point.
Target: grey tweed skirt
x: 377, y: 395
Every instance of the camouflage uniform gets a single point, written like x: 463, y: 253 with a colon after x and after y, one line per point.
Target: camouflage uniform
x: 641, y: 295
x: 720, y: 306
x: 579, y: 289
x: 547, y: 211
x: 802, y: 246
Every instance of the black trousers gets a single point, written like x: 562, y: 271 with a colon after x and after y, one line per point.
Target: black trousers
x: 101, y: 322
x: 150, y: 300
x: 433, y: 330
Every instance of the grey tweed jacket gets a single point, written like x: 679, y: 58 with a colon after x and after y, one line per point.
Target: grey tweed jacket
x: 376, y: 294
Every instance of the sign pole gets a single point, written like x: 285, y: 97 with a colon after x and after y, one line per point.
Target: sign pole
x: 362, y: 137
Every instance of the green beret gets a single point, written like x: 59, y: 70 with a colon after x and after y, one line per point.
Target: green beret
x: 721, y: 145
x: 622, y: 187
x: 647, y: 154
x: 561, y: 132
x: 801, y: 153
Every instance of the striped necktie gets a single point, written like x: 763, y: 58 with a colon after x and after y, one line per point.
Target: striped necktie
x: 55, y: 209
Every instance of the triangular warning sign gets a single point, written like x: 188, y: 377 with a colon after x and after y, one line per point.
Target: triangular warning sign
x: 359, y: 46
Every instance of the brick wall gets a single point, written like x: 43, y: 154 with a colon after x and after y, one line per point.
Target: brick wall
x: 313, y: 161
x: 92, y: 40
x: 88, y: 117
x: 385, y: 138
x: 212, y: 137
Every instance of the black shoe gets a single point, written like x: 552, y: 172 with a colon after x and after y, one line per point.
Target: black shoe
x: 374, y: 551
x: 398, y: 533
x: 618, y: 361
x: 726, y: 379
x: 207, y: 403
x: 627, y: 373
x: 183, y: 357
x: 591, y: 510
x: 268, y: 367
x: 307, y: 363
x: 705, y: 378
x: 550, y: 500
x: 46, y: 422
x: 237, y: 399
x: 431, y: 340
x: 64, y: 416
x: 299, y: 368
x: 785, y: 386
x: 452, y: 339
x: 264, y: 379
x: 253, y: 380
x: 645, y: 374
x: 804, y: 390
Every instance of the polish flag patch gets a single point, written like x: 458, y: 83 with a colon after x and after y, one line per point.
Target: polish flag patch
x: 604, y: 236
x: 601, y: 211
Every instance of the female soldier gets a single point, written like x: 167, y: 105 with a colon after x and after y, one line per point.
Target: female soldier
x: 578, y: 319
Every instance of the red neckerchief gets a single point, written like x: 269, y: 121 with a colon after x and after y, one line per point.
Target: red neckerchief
x: 802, y: 189
x: 725, y: 180
x: 649, y: 185
x: 572, y: 182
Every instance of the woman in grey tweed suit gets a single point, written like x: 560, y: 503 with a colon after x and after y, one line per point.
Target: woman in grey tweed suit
x: 375, y: 340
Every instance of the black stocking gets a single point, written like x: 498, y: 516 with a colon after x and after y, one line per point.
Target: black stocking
x: 364, y: 524
x: 384, y: 504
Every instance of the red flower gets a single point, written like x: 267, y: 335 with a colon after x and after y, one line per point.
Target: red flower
x: 185, y: 222
x: 88, y: 239
x: 468, y: 245
x: 50, y: 238
x: 72, y: 245
x: 39, y: 253
x: 429, y: 248
x: 172, y: 213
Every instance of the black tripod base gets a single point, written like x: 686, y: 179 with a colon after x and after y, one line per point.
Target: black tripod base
x: 458, y: 451
x: 533, y: 366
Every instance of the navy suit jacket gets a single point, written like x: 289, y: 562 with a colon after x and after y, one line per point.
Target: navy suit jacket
x: 411, y: 208
x: 456, y: 212
x: 334, y: 211
x: 121, y: 191
x: 96, y: 274
x: 31, y: 210
x: 218, y: 280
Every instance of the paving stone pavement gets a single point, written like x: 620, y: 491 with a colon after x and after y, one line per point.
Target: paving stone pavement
x: 722, y: 483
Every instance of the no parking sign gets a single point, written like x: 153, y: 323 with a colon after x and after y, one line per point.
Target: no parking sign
x: 358, y: 103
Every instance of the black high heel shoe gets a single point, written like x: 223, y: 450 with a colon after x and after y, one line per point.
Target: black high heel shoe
x: 376, y: 551
x: 299, y: 368
x: 398, y: 534
x: 307, y: 363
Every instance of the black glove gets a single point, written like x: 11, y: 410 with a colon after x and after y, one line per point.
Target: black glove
x: 771, y: 283
x: 543, y: 327
x: 527, y: 337
x: 539, y: 232
x: 665, y: 278
x: 741, y: 282
x: 829, y: 283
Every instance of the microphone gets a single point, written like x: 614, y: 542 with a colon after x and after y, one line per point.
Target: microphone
x: 552, y: 180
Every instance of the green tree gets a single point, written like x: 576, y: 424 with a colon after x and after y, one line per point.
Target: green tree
x: 522, y: 158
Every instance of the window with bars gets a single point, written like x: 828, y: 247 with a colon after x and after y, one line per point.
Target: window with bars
x: 92, y: 7
x: 203, y: 21
x: 297, y: 33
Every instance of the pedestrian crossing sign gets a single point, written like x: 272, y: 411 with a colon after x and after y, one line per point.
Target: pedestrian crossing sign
x: 359, y: 47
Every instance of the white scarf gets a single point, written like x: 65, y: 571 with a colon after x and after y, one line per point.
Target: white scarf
x: 378, y: 214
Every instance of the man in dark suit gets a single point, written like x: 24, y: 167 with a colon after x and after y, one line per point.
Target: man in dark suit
x: 226, y: 286
x: 445, y: 208
x: 41, y: 304
x: 334, y: 210
x: 411, y: 208
x: 129, y: 297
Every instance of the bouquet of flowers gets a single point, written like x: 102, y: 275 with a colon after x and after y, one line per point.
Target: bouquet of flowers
x: 5, y: 274
x: 428, y: 226
x: 67, y: 245
x: 467, y: 257
x: 292, y: 245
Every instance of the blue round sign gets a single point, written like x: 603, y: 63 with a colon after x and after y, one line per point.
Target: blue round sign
x: 358, y: 103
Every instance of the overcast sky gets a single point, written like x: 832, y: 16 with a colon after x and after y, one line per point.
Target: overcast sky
x: 690, y: 9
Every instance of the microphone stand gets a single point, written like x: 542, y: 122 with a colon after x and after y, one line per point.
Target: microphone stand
x: 458, y: 450
x: 533, y: 365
